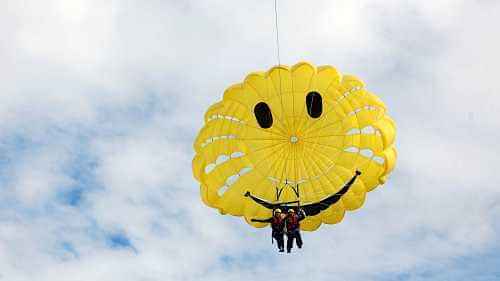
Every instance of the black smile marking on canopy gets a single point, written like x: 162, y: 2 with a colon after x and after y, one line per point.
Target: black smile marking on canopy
x: 310, y: 209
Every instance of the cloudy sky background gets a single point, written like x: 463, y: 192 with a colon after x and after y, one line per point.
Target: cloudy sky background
x: 100, y: 102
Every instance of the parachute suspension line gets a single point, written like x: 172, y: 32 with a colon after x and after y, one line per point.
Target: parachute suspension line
x: 298, y: 198
x: 295, y: 189
x: 278, y: 193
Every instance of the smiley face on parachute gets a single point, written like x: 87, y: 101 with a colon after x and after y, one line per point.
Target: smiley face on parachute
x: 302, y: 125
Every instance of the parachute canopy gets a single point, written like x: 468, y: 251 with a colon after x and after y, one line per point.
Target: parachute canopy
x: 300, y: 126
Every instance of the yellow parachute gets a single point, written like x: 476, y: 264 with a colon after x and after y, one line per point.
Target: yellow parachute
x: 300, y: 126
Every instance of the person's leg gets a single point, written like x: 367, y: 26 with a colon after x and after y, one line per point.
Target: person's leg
x: 281, y: 242
x: 289, y: 242
x: 299, y: 239
x: 275, y: 238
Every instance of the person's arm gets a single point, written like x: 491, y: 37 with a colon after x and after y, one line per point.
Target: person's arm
x: 265, y: 220
x: 302, y: 214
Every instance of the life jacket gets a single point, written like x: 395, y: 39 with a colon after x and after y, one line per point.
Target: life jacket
x: 277, y: 223
x: 292, y: 222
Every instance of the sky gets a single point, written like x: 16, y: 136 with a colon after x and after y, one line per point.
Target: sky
x: 100, y: 102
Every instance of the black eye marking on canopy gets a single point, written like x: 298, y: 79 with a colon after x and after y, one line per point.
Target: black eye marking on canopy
x: 263, y: 114
x: 314, y: 104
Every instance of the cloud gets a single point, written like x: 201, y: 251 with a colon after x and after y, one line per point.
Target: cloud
x: 100, y: 102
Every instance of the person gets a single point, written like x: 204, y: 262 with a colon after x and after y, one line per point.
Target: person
x: 277, y: 222
x: 292, y: 223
